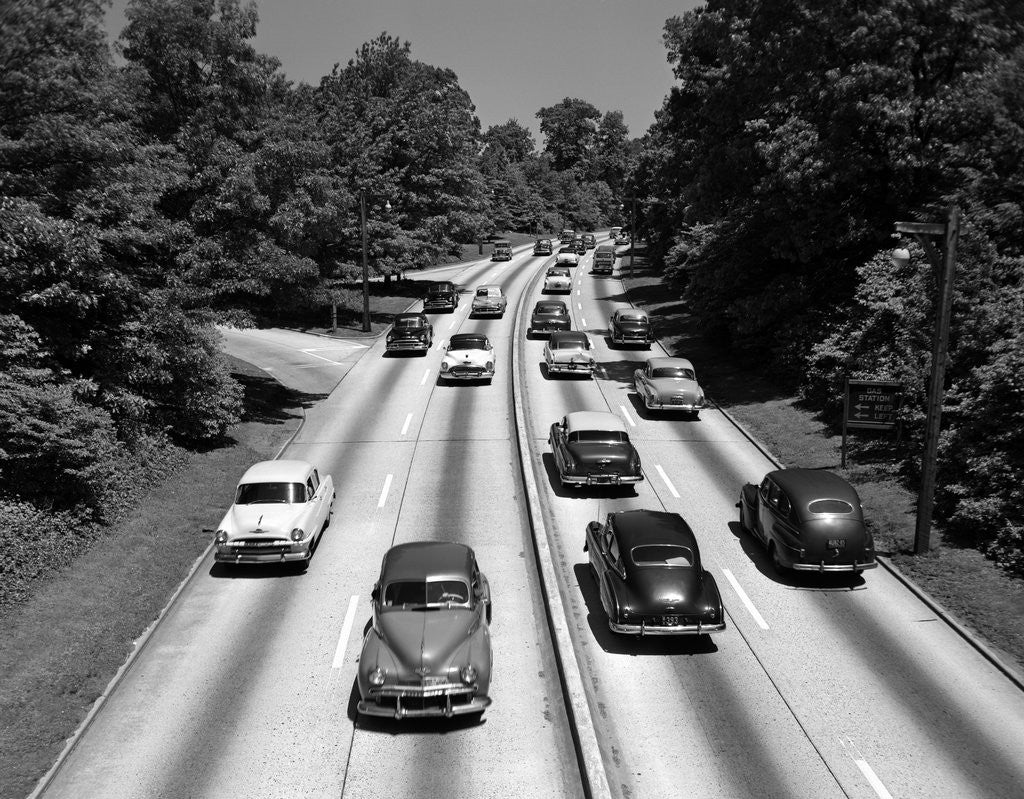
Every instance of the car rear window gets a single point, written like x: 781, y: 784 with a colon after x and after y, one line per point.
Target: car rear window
x: 425, y: 593
x: 569, y: 344
x: 258, y: 493
x: 662, y: 555
x: 632, y: 318
x: 598, y: 437
x: 556, y: 310
x: 673, y: 371
x: 830, y: 506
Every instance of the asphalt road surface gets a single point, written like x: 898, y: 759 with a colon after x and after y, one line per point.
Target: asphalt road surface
x: 819, y: 687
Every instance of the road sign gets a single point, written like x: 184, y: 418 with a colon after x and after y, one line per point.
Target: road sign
x: 872, y: 404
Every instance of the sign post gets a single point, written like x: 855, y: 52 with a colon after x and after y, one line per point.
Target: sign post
x: 870, y: 405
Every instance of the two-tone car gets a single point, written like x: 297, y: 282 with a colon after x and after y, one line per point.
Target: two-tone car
x: 502, y: 250
x: 567, y: 256
x: 543, y: 247
x: 630, y: 326
x: 557, y: 280
x: 547, y: 317
x: 428, y: 649
x: 410, y: 332
x: 280, y: 511
x: 592, y: 448
x: 468, y: 356
x: 442, y: 295
x: 648, y: 570
x: 809, y: 520
x: 669, y: 384
x: 569, y: 352
x: 489, y: 300
x: 589, y: 240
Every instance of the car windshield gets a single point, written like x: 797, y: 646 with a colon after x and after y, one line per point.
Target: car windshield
x: 468, y: 341
x: 408, y: 321
x: 598, y: 437
x: 662, y: 555
x: 259, y: 493
x: 441, y: 288
x: 488, y: 292
x: 418, y: 594
x: 623, y: 317
x: 552, y: 310
x: 673, y: 371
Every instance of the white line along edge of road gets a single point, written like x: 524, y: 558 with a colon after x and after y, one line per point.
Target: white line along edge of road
x: 865, y: 769
x: 746, y: 600
x: 346, y: 629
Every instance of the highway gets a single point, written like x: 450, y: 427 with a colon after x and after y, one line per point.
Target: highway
x: 819, y: 687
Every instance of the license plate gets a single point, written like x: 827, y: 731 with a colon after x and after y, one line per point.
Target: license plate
x: 669, y: 621
x: 837, y: 543
x: 435, y: 692
x: 435, y: 680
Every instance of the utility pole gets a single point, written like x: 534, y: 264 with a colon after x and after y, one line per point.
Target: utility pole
x: 366, y: 269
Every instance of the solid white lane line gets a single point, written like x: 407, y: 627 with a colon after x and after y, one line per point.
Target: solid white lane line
x: 628, y: 417
x: 405, y: 427
x: 664, y: 477
x: 865, y: 769
x: 746, y: 600
x: 384, y: 492
x: 346, y: 628
x: 426, y: 374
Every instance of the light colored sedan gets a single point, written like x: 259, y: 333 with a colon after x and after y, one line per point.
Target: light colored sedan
x: 558, y: 280
x: 468, y: 356
x: 567, y: 256
x: 489, y: 300
x: 280, y: 511
x: 669, y: 384
x: 569, y: 352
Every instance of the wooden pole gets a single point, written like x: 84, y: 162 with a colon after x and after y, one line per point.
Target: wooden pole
x: 366, y: 269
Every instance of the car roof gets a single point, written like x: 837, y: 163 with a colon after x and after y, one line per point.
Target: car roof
x: 593, y: 420
x: 639, y: 312
x: 635, y: 528
x: 419, y: 560
x: 468, y: 341
x: 558, y: 270
x: 803, y: 486
x: 441, y: 284
x: 559, y: 336
x: 277, y: 471
x: 417, y: 316
x: 489, y: 286
x: 669, y: 363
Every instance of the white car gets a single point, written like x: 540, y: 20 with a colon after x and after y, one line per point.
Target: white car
x: 489, y: 300
x: 669, y: 384
x: 569, y: 352
x: 468, y: 356
x: 567, y: 256
x: 558, y: 280
x: 281, y: 510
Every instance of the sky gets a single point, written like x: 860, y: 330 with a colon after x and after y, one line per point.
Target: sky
x: 514, y: 57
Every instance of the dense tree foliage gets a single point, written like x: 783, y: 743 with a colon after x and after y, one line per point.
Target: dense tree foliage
x: 797, y: 135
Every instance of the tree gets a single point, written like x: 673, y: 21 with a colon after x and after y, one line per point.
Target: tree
x: 570, y: 133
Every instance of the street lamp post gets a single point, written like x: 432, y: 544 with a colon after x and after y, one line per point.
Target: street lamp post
x: 944, y: 264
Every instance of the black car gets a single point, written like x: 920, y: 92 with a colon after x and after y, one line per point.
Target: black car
x: 631, y: 326
x: 809, y: 520
x: 592, y: 448
x: 410, y: 332
x: 441, y: 296
x: 647, y: 567
x: 543, y: 247
x: 549, y: 315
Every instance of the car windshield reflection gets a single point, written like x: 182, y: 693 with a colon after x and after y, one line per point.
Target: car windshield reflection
x: 257, y: 493
x: 420, y: 594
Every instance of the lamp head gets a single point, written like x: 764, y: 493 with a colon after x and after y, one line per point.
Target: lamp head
x: 901, y: 256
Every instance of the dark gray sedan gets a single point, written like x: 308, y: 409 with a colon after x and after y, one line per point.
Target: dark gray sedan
x: 428, y: 652
x: 549, y: 315
x: 593, y: 448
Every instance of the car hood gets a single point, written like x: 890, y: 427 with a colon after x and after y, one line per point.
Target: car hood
x: 474, y: 357
x: 617, y: 455
x: 672, y: 386
x: 665, y: 590
x: 408, y: 331
x: 270, y: 520
x: 426, y: 639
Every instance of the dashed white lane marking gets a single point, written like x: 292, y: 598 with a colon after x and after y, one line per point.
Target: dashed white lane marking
x: 579, y: 307
x: 423, y: 380
x: 865, y: 769
x: 346, y: 629
x: 405, y: 427
x: 583, y: 321
x: 668, y: 483
x: 384, y: 491
x: 746, y: 600
x: 629, y: 418
x: 452, y: 323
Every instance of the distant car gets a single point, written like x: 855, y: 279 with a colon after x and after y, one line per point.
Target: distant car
x: 623, y: 238
x: 558, y: 280
x: 502, y: 250
x: 648, y: 570
x: 469, y: 356
x: 548, y: 316
x: 441, y: 296
x: 809, y: 520
x: 281, y: 510
x: 589, y: 240
x: 630, y: 326
x: 489, y: 300
x: 614, y: 232
x: 569, y: 352
x: 579, y: 246
x: 593, y: 448
x: 428, y: 650
x: 543, y: 247
x: 567, y: 235
x: 410, y: 332
x: 669, y: 384
x: 567, y: 256
x: 604, y: 259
